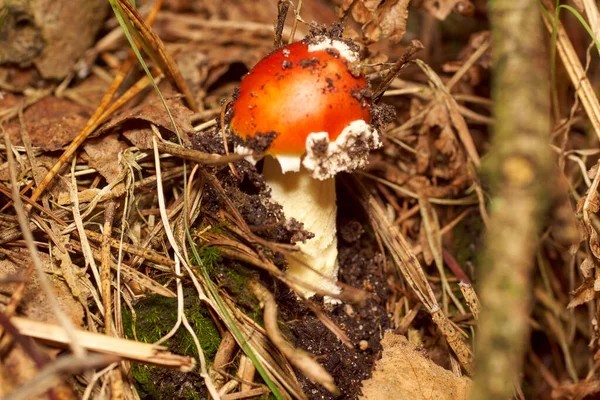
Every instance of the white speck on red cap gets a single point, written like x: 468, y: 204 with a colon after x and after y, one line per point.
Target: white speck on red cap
x: 328, y: 43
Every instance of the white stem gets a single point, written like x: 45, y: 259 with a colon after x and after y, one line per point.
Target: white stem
x: 312, y: 202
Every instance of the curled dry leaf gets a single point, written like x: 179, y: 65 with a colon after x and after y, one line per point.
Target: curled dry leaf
x: 584, y: 293
x: 439, y: 151
x: 103, y: 154
x: 155, y: 113
x: 380, y: 19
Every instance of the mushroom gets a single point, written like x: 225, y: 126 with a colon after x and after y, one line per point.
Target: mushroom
x: 306, y: 106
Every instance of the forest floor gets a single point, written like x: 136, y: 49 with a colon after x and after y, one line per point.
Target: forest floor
x: 148, y: 260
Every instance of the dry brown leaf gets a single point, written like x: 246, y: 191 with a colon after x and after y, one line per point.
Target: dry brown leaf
x: 35, y: 32
x: 389, y: 22
x: 103, y: 155
x: 584, y: 293
x: 17, y: 367
x: 405, y: 373
x: 51, y: 123
x: 380, y: 19
x: 34, y: 303
x: 155, y: 113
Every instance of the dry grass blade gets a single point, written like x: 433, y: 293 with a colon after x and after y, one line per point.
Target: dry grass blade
x: 78, y: 350
x: 434, y: 242
x: 471, y: 298
x: 403, y: 256
x: 128, y: 349
x: 255, y: 337
x: 132, y: 275
x: 443, y: 95
x: 579, y: 79
x: 145, y: 252
x: 155, y: 48
x: 406, y: 261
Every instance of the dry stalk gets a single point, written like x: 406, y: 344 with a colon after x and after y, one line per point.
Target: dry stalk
x: 434, y: 240
x: 410, y: 268
x: 297, y: 357
x: 468, y: 64
x: 471, y: 298
x: 576, y: 72
x: 155, y: 48
x: 196, y: 155
x: 123, y: 348
x: 246, y: 373
x: 116, y: 380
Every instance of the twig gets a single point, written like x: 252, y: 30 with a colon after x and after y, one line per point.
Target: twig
x: 282, y: 9
x: 414, y: 47
x: 297, y: 357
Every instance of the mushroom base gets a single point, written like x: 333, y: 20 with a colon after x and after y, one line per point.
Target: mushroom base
x: 312, y: 202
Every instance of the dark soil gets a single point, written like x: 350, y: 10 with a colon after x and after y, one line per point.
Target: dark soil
x: 361, y: 267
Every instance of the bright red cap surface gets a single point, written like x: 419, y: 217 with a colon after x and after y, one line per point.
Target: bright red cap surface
x: 295, y: 92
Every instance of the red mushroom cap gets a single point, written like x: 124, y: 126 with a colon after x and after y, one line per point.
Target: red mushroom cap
x: 305, y: 88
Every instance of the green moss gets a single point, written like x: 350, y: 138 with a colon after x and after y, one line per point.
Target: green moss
x: 209, y: 257
x: 156, y: 315
x: 235, y: 278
